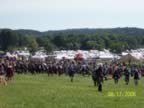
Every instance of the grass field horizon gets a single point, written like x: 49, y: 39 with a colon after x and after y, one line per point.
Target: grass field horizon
x: 41, y: 91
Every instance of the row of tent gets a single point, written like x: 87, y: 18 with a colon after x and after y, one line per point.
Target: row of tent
x: 93, y: 54
x: 69, y: 54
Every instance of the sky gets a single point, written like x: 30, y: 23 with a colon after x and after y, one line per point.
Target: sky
x: 46, y: 15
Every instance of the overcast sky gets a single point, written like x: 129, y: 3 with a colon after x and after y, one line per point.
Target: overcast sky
x: 64, y: 14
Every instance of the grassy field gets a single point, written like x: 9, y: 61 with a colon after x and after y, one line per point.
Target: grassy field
x: 41, y: 91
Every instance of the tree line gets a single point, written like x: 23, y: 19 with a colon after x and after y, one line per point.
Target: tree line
x: 114, y: 41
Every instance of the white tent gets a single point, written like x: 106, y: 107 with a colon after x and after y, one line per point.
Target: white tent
x: 61, y: 56
x: 105, y: 55
x: 138, y: 56
x: 39, y: 58
x: 10, y: 55
x: 24, y: 54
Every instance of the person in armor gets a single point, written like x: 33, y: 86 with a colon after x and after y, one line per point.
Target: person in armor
x: 50, y: 69
x: 105, y: 71
x: 116, y: 75
x: 94, y: 76
x: 2, y: 69
x: 71, y: 71
x: 10, y: 71
x: 60, y: 69
x: 127, y: 75
x: 84, y: 69
x: 97, y: 77
x: 136, y: 76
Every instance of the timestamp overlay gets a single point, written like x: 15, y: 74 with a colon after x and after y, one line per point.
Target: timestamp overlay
x: 121, y: 93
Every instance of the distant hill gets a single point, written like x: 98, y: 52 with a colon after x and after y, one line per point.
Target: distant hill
x: 125, y: 31
x: 29, y: 32
x: 122, y: 31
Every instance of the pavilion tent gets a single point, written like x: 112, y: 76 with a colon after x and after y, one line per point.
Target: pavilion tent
x: 128, y: 59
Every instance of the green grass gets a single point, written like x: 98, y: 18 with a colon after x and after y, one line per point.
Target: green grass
x: 41, y: 91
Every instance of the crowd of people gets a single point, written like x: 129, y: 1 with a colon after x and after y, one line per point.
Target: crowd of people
x: 116, y: 71
x: 99, y: 72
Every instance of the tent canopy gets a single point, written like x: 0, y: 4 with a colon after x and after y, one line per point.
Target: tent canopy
x: 128, y: 59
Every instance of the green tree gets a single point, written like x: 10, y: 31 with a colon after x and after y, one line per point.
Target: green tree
x: 8, y: 39
x: 32, y: 44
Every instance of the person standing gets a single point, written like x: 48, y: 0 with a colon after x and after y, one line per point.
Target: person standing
x: 94, y: 76
x: 116, y: 75
x: 71, y: 71
x: 10, y: 71
x: 98, y: 78
x: 127, y: 75
x: 136, y: 76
